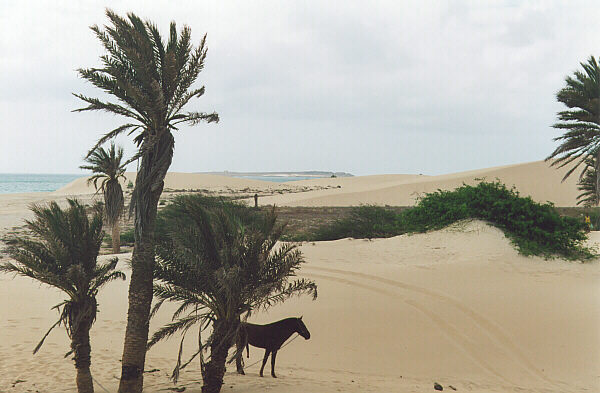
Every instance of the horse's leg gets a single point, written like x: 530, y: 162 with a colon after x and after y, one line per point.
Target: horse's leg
x: 273, y: 355
x: 267, y: 352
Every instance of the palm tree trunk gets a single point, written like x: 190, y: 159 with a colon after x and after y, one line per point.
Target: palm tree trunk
x: 215, y: 368
x: 148, y: 188
x: 597, y: 168
x: 80, y: 344
x: 116, y: 237
x: 140, y: 300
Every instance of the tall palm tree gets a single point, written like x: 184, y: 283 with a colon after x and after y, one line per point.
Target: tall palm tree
x: 152, y: 82
x: 581, y: 122
x: 108, y: 169
x: 220, y: 261
x: 65, y: 257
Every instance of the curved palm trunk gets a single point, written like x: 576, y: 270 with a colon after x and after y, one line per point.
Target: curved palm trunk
x: 80, y: 343
x: 215, y: 368
x: 116, y: 237
x: 148, y: 188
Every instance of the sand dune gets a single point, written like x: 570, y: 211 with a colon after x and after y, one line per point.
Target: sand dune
x: 535, y: 179
x: 392, y: 315
x: 177, y: 181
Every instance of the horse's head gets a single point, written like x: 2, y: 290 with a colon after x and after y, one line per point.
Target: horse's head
x: 301, y: 328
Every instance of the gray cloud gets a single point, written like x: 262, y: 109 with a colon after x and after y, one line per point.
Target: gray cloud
x: 384, y: 87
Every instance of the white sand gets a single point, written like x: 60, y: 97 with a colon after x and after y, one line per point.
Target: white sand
x: 179, y: 181
x: 459, y: 307
x: 535, y: 179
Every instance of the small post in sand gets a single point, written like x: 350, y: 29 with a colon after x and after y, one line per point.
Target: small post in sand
x: 256, y: 201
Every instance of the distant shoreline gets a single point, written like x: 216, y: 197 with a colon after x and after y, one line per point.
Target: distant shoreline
x: 18, y: 183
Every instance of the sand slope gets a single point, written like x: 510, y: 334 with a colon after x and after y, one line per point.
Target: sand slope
x: 176, y: 181
x: 535, y: 179
x: 457, y: 306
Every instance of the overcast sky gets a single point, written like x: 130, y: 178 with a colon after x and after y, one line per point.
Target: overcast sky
x: 362, y: 87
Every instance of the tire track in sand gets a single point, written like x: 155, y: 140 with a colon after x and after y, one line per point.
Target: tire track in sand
x: 494, y: 332
x: 461, y: 341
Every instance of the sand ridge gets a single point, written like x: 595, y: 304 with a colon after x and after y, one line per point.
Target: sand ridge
x: 536, y: 179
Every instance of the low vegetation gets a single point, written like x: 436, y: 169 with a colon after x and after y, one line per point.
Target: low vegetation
x: 534, y: 228
x: 126, y: 237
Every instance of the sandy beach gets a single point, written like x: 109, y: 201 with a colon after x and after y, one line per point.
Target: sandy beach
x: 459, y: 306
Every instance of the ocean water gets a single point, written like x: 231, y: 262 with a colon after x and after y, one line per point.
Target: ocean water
x: 14, y: 182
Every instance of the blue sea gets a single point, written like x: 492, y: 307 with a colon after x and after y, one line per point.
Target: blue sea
x: 14, y: 182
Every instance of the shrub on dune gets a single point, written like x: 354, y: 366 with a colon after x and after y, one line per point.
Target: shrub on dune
x: 535, y: 228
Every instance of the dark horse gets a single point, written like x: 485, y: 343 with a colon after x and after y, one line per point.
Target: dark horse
x: 270, y: 337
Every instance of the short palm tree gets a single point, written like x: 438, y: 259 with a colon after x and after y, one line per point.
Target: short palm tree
x: 108, y: 169
x: 581, y: 140
x: 64, y: 256
x: 152, y: 82
x: 220, y: 261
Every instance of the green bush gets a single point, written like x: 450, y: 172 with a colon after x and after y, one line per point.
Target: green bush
x: 534, y: 228
x: 127, y: 238
x: 175, y: 209
x: 366, y: 221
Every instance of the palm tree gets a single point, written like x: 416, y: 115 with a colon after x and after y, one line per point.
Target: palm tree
x: 220, y: 261
x: 581, y: 122
x: 107, y: 168
x: 65, y: 257
x: 151, y: 81
x: 587, y: 185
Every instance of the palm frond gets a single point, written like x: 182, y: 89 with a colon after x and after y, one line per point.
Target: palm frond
x: 39, y: 345
x: 581, y: 123
x: 64, y: 255
x: 152, y: 83
x: 224, y: 259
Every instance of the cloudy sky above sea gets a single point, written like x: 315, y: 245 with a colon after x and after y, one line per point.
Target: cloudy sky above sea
x: 364, y: 87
